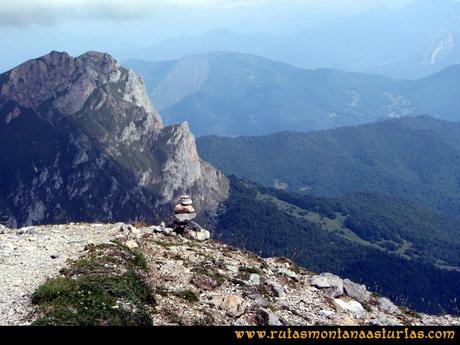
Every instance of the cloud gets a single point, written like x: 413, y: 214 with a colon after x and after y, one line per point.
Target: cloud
x: 48, y: 12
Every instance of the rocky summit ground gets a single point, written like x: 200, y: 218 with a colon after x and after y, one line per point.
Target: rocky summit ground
x: 146, y: 277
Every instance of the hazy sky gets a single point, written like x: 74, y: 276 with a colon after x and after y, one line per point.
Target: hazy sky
x: 30, y: 28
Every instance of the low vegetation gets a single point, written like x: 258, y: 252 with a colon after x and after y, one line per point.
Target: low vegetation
x: 104, y: 287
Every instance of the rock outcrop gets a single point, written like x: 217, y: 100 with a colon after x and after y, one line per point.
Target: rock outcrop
x: 80, y: 140
x: 193, y: 283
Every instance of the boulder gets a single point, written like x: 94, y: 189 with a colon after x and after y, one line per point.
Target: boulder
x: 330, y: 282
x: 356, y: 291
x: 25, y: 231
x: 162, y: 229
x: 261, y: 301
x: 273, y: 319
x: 200, y: 236
x: 122, y: 227
x: 288, y: 273
x: 132, y: 244
x: 326, y: 313
x: 385, y: 320
x: 254, y: 279
x: 277, y: 288
x: 386, y: 305
x: 234, y: 306
x: 267, y: 318
x: 232, y: 268
x: 352, y: 306
x: 205, y: 283
x: 136, y: 233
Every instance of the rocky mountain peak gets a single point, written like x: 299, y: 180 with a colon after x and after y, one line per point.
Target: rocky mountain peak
x: 104, y: 134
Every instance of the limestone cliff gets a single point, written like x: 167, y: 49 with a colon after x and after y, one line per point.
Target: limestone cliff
x: 80, y: 140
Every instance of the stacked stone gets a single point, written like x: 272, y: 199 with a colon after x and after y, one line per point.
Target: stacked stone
x: 184, y: 214
x: 184, y: 211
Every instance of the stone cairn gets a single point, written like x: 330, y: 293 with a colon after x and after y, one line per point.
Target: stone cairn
x: 184, y: 212
x: 184, y: 224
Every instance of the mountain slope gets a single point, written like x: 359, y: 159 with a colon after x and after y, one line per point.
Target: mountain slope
x: 235, y: 94
x: 168, y: 280
x: 80, y: 140
x: 360, y: 237
x: 416, y: 159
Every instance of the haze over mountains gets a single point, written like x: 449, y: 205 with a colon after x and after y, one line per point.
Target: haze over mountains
x: 412, y: 42
x: 416, y: 159
x: 235, y: 94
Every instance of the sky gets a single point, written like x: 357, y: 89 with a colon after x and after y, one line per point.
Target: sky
x: 31, y: 28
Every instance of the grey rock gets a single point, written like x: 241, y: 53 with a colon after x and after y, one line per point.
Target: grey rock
x: 234, y: 306
x: 254, y: 279
x: 273, y: 319
x: 330, y: 282
x: 260, y: 300
x: 25, y: 231
x: 200, y: 236
x: 386, y: 320
x: 232, y: 268
x: 162, y: 229
x: 386, y: 305
x: 124, y: 228
x: 269, y: 318
x: 132, y: 244
x: 277, y: 288
x: 288, y: 273
x: 356, y: 291
x: 326, y: 313
x: 353, y: 307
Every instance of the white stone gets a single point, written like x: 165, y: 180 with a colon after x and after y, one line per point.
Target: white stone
x: 254, y: 279
x: 326, y: 313
x: 277, y: 289
x: 353, y: 307
x: 234, y: 306
x: 386, y: 305
x: 288, y: 273
x: 356, y: 291
x: 329, y: 281
x: 201, y: 236
x: 132, y: 244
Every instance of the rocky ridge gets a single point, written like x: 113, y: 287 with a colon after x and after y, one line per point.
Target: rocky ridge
x: 205, y: 283
x: 99, y: 148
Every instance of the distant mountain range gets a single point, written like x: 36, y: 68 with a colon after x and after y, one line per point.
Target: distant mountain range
x: 412, y: 42
x: 233, y: 94
x: 415, y: 159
